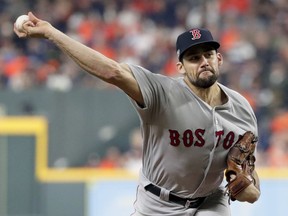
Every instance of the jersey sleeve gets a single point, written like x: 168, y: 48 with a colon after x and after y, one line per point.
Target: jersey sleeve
x: 242, y: 108
x: 155, y: 89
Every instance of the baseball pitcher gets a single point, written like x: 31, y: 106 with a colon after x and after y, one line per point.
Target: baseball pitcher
x: 199, y: 136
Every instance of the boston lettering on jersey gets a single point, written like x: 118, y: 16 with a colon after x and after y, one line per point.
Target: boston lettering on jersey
x: 196, y: 138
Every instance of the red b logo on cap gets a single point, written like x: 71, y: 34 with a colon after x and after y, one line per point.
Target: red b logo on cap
x: 195, y: 34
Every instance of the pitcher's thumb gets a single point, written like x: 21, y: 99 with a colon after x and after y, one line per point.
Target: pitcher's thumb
x: 33, y: 18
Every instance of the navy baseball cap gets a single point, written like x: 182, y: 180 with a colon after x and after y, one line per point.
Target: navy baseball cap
x: 193, y: 37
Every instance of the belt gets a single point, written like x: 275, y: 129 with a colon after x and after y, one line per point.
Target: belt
x: 188, y: 203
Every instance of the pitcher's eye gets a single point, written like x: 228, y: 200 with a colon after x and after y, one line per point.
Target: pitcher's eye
x: 194, y: 58
x: 208, y: 54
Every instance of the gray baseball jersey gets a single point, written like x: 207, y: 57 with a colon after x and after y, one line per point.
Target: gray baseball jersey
x: 185, y: 140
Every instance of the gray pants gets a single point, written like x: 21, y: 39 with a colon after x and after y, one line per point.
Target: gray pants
x: 148, y: 204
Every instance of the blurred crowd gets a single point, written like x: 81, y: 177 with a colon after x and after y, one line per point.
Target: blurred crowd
x: 253, y: 36
x: 115, y: 158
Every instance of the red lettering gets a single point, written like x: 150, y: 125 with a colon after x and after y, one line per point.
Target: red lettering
x: 188, y: 138
x: 229, y: 140
x: 174, y: 137
x: 199, y: 134
x: 219, y: 135
x: 196, y: 34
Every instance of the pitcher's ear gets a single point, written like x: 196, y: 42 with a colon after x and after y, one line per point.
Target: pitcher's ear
x: 220, y: 58
x: 180, y: 68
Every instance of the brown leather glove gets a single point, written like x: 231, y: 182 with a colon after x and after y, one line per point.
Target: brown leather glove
x: 240, y: 165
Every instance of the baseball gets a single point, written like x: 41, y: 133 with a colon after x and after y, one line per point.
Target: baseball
x: 20, y: 20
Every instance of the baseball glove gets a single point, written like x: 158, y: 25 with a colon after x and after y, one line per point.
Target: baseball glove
x: 240, y: 165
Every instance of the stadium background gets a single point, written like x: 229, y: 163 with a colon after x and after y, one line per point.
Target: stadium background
x: 69, y: 143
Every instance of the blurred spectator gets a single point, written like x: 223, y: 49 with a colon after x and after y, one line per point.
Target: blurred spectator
x: 93, y: 160
x: 111, y: 159
x: 278, y: 150
x: 133, y: 157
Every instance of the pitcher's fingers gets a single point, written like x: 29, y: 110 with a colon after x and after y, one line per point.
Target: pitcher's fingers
x: 33, y: 18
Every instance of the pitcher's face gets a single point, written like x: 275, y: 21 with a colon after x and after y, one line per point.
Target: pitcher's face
x: 201, y: 65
